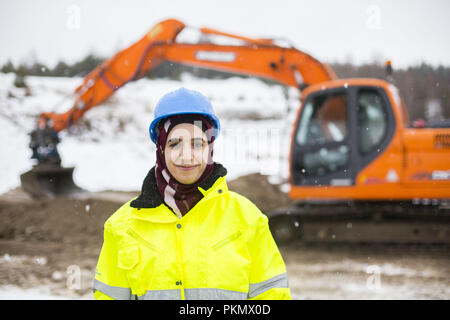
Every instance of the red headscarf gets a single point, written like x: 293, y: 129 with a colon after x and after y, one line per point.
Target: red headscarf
x: 178, y: 196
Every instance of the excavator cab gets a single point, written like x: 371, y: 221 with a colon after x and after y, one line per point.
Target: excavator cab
x: 47, y: 178
x: 338, y: 133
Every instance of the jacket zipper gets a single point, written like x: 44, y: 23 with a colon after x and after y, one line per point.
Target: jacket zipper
x: 179, y: 253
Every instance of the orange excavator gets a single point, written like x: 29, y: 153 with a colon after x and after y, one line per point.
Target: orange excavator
x: 353, y: 158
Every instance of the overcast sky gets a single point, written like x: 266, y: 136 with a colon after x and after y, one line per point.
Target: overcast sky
x: 407, y: 32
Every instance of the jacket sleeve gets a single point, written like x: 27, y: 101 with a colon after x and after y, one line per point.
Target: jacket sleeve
x: 268, y: 277
x: 110, y: 281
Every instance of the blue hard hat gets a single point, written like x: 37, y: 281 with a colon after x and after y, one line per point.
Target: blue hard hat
x: 182, y: 101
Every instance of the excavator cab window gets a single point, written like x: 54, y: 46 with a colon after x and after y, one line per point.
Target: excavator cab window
x: 372, y: 120
x: 339, y: 132
x: 324, y: 120
x: 322, y: 131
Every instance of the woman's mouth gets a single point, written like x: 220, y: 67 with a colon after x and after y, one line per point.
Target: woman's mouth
x: 187, y: 168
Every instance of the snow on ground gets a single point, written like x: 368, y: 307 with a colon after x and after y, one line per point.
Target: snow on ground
x: 10, y: 292
x: 116, y: 152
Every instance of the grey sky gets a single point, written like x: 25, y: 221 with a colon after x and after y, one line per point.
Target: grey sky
x: 407, y: 32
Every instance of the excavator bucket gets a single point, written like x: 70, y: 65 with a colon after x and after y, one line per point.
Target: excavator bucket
x: 49, y: 181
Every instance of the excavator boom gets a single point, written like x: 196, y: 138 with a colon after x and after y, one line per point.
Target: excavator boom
x: 288, y: 66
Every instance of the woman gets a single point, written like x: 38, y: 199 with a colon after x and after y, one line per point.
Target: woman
x: 186, y: 236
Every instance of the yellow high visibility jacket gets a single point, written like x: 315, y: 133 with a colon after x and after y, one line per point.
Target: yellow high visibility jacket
x: 221, y: 249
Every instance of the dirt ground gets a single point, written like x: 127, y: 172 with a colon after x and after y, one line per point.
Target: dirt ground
x: 54, y: 244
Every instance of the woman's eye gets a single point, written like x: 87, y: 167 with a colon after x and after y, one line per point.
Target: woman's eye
x: 195, y: 145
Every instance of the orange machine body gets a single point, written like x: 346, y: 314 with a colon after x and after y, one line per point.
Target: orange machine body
x: 414, y: 165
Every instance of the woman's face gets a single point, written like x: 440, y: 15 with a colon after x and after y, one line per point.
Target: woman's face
x: 186, y: 152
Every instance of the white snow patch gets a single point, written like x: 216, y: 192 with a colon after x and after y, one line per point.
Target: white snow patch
x: 11, y: 292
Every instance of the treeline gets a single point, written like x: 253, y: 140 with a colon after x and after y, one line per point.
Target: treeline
x: 165, y: 70
x: 419, y: 86
x: 61, y: 69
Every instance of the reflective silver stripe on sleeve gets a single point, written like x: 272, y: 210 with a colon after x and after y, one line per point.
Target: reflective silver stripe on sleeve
x: 279, y: 281
x: 172, y: 294
x: 118, y: 293
x: 213, y: 294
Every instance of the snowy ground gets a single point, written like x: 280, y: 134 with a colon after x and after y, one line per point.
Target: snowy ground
x: 37, y: 293
x: 116, y: 152
x: 314, y: 273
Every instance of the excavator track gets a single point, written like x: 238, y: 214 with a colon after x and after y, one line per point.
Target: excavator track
x: 362, y: 222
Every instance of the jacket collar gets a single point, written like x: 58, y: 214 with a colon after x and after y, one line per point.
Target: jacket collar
x: 151, y: 198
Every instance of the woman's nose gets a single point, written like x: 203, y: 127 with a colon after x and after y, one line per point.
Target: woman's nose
x: 186, y: 151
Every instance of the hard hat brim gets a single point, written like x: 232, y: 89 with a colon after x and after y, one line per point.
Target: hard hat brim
x: 154, y: 124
